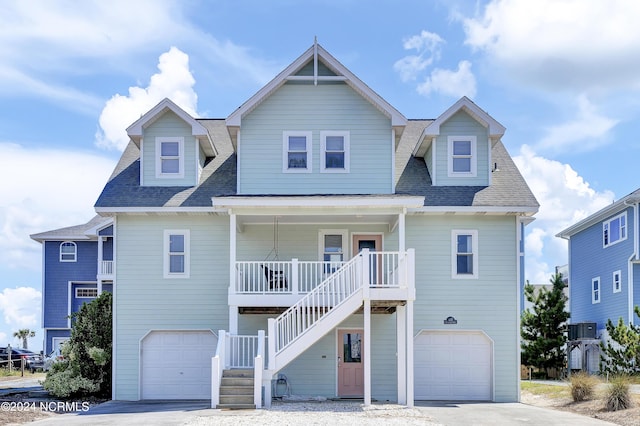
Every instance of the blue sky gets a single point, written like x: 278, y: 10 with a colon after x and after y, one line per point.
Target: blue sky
x: 563, y: 76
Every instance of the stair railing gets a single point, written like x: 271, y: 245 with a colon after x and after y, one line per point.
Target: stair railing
x: 217, y: 367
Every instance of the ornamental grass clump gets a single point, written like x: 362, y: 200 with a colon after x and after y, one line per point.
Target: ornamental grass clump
x: 583, y: 387
x: 618, y: 394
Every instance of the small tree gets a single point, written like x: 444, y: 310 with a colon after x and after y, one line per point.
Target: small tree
x: 24, y: 334
x: 86, y: 368
x: 544, y: 329
x: 621, y: 355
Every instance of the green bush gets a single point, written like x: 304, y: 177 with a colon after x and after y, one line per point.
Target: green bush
x: 583, y: 387
x: 86, y: 369
x: 618, y: 394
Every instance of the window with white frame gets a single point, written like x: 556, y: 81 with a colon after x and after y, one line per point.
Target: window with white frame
x: 86, y: 292
x: 464, y: 254
x: 68, y: 251
x: 169, y: 157
x: 176, y: 249
x: 333, y: 249
x: 297, y: 152
x: 335, y: 152
x: 462, y: 159
x: 595, y: 290
x: 614, y: 230
x: 617, y: 281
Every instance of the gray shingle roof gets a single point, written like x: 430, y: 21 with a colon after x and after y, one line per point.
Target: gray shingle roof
x: 218, y: 178
x: 76, y: 232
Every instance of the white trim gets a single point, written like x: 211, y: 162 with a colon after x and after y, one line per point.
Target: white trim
x: 606, y: 227
x: 85, y: 288
x: 319, y: 201
x: 346, y: 136
x: 596, y: 295
x: 619, y: 281
x: 474, y: 252
x: 71, y: 294
x: 308, y: 135
x: 186, y: 233
x: 393, y: 162
x: 141, y: 162
x: 434, y: 162
x: 473, y: 156
x: 169, y: 175
x: 513, y: 210
x: 114, y: 312
x: 238, y: 161
x: 75, y: 251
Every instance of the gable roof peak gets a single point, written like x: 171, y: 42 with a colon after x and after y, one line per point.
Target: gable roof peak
x: 136, y: 130
x: 316, y: 53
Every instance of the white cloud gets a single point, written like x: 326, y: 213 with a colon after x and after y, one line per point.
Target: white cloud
x: 561, y: 44
x: 565, y: 198
x: 21, y: 307
x: 44, y: 189
x: 428, y: 47
x: 174, y: 81
x: 588, y: 130
x: 458, y: 83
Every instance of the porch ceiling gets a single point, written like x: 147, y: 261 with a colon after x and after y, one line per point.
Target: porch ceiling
x: 322, y: 218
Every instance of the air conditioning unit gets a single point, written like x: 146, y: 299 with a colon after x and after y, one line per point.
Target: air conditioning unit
x: 582, y: 330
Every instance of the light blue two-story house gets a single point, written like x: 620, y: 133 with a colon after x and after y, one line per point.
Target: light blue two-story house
x: 77, y: 265
x: 317, y: 234
x: 604, y: 264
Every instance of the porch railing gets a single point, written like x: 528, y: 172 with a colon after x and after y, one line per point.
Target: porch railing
x: 386, y: 269
x: 106, y: 267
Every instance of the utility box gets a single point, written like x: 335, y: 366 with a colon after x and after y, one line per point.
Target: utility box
x: 582, y: 330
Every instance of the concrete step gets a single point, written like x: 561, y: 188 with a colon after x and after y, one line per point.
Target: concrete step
x: 236, y: 390
x: 236, y: 372
x: 236, y: 399
x: 236, y: 406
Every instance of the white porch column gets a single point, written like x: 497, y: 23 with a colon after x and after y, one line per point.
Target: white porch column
x: 409, y: 309
x: 401, y: 232
x: 367, y: 352
x: 232, y: 253
x: 233, y: 319
x: 100, y: 259
x: 401, y: 345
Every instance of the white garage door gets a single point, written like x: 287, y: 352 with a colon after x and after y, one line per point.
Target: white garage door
x: 452, y: 366
x: 177, y: 364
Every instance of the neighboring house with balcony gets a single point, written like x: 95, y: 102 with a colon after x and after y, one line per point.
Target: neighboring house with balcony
x: 604, y: 267
x: 317, y: 233
x: 77, y: 265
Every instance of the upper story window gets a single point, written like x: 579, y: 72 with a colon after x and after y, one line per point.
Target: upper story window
x: 462, y: 157
x: 614, y: 230
x: 617, y: 281
x: 68, y: 252
x: 176, y: 253
x: 297, y: 152
x: 335, y: 152
x: 169, y: 157
x: 464, y: 254
x: 595, y: 290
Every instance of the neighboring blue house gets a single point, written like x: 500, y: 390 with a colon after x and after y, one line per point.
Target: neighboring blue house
x: 77, y: 265
x: 604, y: 264
x: 381, y: 257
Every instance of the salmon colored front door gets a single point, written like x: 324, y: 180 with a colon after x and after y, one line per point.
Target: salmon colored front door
x: 350, y: 358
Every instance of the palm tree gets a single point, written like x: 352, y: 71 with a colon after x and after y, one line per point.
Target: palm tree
x: 24, y: 334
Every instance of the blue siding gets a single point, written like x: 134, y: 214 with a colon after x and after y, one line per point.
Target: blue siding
x: 58, y: 274
x: 106, y: 232
x: 50, y: 334
x: 589, y: 259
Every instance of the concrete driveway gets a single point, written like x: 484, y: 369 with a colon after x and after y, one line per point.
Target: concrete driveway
x: 325, y: 413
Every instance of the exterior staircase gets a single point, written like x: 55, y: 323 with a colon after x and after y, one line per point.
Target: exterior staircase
x: 236, y: 389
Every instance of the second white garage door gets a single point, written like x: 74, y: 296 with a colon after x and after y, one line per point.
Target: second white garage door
x: 177, y: 364
x: 452, y: 366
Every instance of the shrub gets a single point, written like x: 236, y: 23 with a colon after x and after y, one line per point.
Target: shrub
x: 582, y: 386
x: 618, y: 395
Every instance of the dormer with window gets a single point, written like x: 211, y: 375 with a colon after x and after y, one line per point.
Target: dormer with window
x: 457, y: 146
x: 173, y: 146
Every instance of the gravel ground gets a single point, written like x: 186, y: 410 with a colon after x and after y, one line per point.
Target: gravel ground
x: 319, y: 413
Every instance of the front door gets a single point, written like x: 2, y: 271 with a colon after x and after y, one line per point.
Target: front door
x: 350, y: 358
x: 373, y: 243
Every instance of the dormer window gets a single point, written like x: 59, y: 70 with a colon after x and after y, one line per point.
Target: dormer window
x: 462, y: 156
x: 297, y: 152
x: 169, y: 157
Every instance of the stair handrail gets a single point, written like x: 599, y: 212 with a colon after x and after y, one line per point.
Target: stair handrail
x: 315, y: 305
x: 217, y: 367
